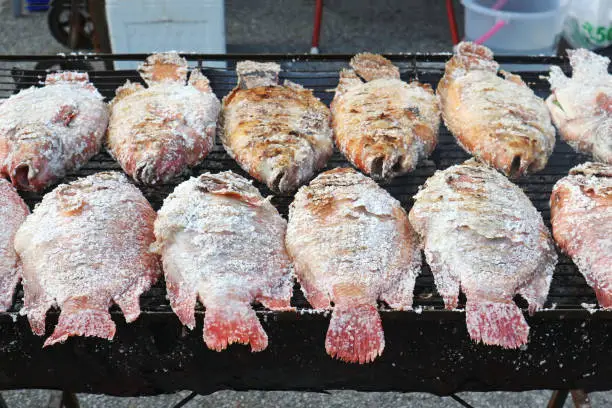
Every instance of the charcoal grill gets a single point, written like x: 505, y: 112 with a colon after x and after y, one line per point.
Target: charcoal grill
x: 426, y: 350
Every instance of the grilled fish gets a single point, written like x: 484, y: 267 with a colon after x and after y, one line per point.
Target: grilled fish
x: 480, y: 232
x: 46, y: 132
x: 279, y: 134
x: 581, y: 106
x: 223, y: 243
x: 13, y: 212
x: 581, y: 217
x: 499, y: 121
x: 156, y: 133
x: 384, y: 126
x: 84, y: 246
x: 352, y: 244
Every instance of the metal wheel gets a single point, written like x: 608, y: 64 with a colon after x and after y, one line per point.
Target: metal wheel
x: 61, y: 19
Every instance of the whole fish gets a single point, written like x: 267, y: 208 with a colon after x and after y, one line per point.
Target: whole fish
x: 158, y: 132
x: 46, y: 132
x: 581, y: 218
x: 85, y: 246
x: 382, y: 124
x: 223, y: 243
x: 13, y: 212
x: 482, y: 234
x: 279, y: 134
x: 351, y: 244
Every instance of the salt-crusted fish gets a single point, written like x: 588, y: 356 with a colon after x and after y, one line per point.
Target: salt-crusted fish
x: 85, y: 246
x: 581, y: 106
x: 383, y: 125
x: 223, y: 243
x: 279, y: 134
x: 482, y: 234
x: 46, y: 132
x: 499, y: 121
x: 13, y: 212
x: 352, y: 244
x: 581, y: 218
x: 156, y: 133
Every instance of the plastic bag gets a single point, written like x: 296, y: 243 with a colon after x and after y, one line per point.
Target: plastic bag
x: 589, y: 24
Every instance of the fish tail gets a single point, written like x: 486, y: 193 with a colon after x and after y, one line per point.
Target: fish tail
x: 355, y: 334
x: 82, y: 321
x: 234, y: 323
x: 604, y: 296
x: 496, y: 323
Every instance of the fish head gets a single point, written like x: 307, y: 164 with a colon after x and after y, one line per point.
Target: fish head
x: 35, y: 157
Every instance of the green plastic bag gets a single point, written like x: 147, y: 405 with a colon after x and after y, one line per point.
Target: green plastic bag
x: 589, y: 24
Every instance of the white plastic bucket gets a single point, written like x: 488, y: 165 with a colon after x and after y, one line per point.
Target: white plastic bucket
x: 528, y: 27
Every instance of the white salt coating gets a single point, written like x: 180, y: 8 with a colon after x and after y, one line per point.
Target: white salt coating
x: 223, y: 243
x: 84, y: 246
x: 581, y: 106
x: 51, y: 130
x: 581, y: 218
x: 481, y: 233
x: 383, y: 126
x: 156, y: 133
x: 499, y: 121
x: 13, y: 212
x: 279, y: 134
x: 352, y: 244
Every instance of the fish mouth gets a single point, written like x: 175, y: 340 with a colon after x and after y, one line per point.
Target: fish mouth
x: 22, y: 174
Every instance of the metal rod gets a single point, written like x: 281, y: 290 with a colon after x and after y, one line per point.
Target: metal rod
x: 185, y: 400
x: 316, y: 31
x: 461, y: 401
x: 581, y: 399
x: 557, y: 399
x: 452, y: 21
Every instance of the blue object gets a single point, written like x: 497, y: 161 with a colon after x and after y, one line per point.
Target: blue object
x: 37, y: 5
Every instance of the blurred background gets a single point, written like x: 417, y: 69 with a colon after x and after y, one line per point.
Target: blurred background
x: 301, y: 26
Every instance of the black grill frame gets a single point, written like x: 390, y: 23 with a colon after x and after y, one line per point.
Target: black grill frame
x: 426, y: 351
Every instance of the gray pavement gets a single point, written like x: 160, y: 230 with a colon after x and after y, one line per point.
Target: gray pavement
x: 285, y: 26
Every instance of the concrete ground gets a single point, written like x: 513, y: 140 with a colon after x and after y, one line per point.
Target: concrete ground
x: 286, y: 26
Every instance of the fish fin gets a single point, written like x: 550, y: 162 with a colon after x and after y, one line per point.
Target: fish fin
x: 509, y: 76
x: 164, y: 67
x: 182, y: 300
x: 255, y: 74
x: 80, y: 319
x: 8, y: 282
x: 233, y: 323
x: 317, y: 299
x: 67, y: 77
x: 126, y: 89
x: 471, y: 57
x: 355, y: 334
x: 348, y: 79
x: 130, y: 306
x: 199, y: 81
x: 276, y: 303
x: 399, y: 296
x: 535, y: 290
x: 496, y: 323
x: 604, y: 296
x: 373, y: 66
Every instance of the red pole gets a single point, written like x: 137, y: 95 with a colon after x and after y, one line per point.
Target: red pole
x: 316, y: 31
x: 452, y: 21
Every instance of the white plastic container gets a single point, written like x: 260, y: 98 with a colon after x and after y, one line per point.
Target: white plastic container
x: 146, y: 26
x: 532, y: 27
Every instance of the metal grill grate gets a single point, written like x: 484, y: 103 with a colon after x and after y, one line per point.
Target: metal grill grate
x: 320, y: 73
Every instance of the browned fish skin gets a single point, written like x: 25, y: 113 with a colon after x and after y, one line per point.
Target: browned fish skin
x: 223, y: 243
x: 383, y: 126
x: 480, y: 232
x: 85, y: 246
x: 13, y: 212
x: 279, y: 134
x: 581, y: 218
x: 352, y: 244
x: 499, y: 121
x: 581, y: 106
